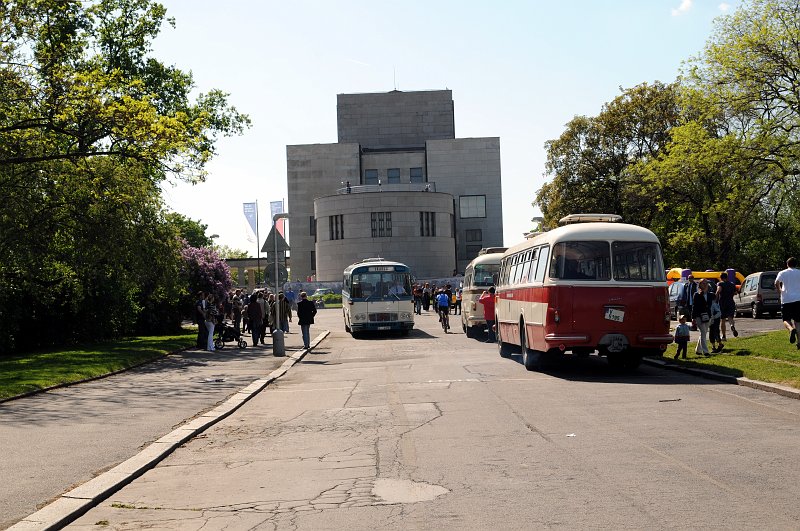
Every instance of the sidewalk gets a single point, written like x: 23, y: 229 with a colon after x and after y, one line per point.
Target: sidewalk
x: 106, y: 421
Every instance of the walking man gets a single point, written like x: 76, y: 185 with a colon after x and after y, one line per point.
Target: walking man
x: 725, y: 292
x: 306, y: 310
x: 788, y: 283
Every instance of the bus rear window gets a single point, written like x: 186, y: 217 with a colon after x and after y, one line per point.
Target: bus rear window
x: 581, y: 261
x: 635, y: 261
x: 486, y: 274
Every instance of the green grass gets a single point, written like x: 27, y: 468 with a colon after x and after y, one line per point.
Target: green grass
x: 766, y: 357
x: 23, y: 373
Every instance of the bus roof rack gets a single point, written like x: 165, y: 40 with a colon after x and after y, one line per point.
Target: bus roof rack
x: 490, y: 250
x: 589, y: 218
x: 375, y: 259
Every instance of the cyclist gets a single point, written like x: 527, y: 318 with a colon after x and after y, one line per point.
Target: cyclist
x: 443, y: 307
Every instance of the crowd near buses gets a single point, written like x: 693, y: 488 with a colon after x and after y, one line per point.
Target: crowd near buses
x: 592, y: 285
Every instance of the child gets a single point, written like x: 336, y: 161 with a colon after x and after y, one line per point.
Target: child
x: 681, y: 337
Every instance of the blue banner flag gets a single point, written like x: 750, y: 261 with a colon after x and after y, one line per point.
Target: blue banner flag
x: 276, y: 207
x: 251, y: 214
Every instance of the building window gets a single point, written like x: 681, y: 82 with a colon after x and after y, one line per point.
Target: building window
x: 312, y: 227
x: 381, y: 224
x: 474, y: 235
x: 313, y: 260
x: 427, y: 223
x: 472, y: 206
x: 370, y: 176
x: 416, y: 175
x: 336, y: 226
x: 393, y: 176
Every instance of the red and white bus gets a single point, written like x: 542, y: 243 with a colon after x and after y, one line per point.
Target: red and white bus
x: 594, y: 284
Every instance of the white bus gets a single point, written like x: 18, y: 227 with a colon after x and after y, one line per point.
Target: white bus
x: 592, y: 285
x: 376, y: 295
x: 481, y: 274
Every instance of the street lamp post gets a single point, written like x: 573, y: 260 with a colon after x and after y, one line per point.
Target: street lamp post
x: 278, y: 348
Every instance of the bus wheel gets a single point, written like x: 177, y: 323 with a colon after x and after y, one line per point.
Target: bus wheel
x: 470, y: 331
x: 532, y: 359
x: 503, y: 348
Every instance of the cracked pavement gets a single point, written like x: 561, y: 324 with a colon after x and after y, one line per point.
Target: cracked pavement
x: 439, y: 432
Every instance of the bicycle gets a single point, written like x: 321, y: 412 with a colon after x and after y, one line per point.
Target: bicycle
x: 444, y: 313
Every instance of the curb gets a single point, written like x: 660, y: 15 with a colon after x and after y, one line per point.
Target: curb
x: 75, y: 503
x: 783, y: 390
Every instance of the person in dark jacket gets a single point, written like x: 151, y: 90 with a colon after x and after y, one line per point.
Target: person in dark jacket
x: 701, y: 315
x: 255, y: 316
x: 306, y: 310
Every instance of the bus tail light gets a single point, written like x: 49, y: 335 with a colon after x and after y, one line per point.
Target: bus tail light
x: 667, y: 317
x: 556, y: 317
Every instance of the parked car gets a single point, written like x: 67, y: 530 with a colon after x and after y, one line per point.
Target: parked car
x: 675, y: 290
x: 758, y: 295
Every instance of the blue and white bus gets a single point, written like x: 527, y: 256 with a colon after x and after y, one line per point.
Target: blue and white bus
x: 376, y: 295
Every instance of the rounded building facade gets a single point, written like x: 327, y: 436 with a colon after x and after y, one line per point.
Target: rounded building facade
x: 412, y: 227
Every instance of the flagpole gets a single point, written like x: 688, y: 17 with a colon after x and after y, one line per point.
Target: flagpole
x: 258, y: 247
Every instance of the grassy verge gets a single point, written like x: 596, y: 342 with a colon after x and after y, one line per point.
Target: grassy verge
x: 38, y: 370
x: 766, y: 357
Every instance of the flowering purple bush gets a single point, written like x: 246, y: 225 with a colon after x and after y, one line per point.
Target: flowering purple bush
x: 205, y: 270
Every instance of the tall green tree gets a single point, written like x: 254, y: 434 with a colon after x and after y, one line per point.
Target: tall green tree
x: 588, y: 162
x: 90, y: 125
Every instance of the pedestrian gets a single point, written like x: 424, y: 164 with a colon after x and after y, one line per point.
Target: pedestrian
x: 426, y: 297
x: 306, y: 310
x: 238, y: 305
x: 255, y: 317
x: 725, y: 292
x: 200, y: 319
x: 713, y: 324
x: 262, y: 329
x: 285, y: 312
x: 211, y: 318
x: 269, y: 320
x: 487, y: 299
x: 459, y: 296
x: 417, y: 299
x: 788, y: 283
x: 292, y: 298
x: 701, y: 315
x: 681, y: 337
x: 687, y: 299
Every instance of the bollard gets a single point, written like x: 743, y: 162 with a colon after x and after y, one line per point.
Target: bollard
x: 277, y: 343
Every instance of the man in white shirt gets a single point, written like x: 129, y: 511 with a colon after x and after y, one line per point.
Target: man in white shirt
x: 788, y: 283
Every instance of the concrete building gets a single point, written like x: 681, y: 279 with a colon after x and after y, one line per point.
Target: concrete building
x: 398, y: 185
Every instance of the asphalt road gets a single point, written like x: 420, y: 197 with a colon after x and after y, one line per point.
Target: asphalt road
x: 59, y: 439
x: 437, y: 431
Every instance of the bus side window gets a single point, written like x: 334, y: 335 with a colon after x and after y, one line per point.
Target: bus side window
x: 541, y: 266
x: 356, y: 290
x: 557, y: 262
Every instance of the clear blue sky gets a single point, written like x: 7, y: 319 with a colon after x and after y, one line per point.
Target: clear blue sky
x: 519, y: 70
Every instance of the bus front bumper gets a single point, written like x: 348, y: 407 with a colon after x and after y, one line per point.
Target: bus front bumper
x: 394, y: 325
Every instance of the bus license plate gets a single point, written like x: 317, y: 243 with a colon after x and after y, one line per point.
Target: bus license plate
x: 384, y: 328
x: 615, y: 315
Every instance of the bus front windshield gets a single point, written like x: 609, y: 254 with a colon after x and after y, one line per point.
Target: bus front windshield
x: 486, y: 274
x: 623, y: 261
x: 375, y: 286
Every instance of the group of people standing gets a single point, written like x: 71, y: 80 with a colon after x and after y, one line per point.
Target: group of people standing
x: 425, y: 298
x: 253, y: 313
x: 709, y: 310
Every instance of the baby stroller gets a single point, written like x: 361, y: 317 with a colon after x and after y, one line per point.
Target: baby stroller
x: 228, y: 333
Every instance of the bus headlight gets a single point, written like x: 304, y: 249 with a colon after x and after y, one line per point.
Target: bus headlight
x: 405, y: 316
